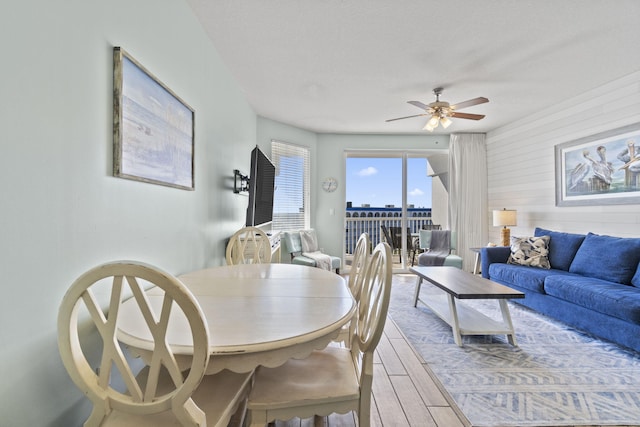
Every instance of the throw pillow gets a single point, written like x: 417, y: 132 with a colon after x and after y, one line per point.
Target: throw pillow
x: 562, y: 247
x: 530, y: 251
x: 309, y: 240
x: 608, y: 258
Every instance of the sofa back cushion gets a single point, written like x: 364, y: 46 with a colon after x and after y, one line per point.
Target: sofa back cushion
x: 562, y: 247
x: 608, y: 258
x: 636, y: 279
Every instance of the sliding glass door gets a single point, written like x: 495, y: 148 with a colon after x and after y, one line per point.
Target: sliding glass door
x: 388, y: 196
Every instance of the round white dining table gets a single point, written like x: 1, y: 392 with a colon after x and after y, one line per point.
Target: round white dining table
x: 257, y: 314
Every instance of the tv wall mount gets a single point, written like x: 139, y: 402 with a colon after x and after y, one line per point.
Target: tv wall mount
x: 240, y: 182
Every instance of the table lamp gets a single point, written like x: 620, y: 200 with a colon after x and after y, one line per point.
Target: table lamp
x: 504, y: 218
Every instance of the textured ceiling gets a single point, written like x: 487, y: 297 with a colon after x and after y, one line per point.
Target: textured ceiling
x: 345, y: 66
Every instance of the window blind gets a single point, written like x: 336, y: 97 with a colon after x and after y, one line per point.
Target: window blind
x: 291, y: 196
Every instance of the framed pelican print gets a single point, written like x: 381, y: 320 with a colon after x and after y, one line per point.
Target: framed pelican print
x: 601, y: 169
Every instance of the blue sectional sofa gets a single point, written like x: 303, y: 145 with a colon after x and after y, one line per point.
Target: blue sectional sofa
x: 593, y: 282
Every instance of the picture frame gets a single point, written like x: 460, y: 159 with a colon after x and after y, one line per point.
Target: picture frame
x: 153, y: 128
x: 601, y: 169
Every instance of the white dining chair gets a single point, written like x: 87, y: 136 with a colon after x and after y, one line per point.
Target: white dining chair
x: 359, y: 263
x: 335, y: 379
x: 249, y: 245
x: 159, y: 394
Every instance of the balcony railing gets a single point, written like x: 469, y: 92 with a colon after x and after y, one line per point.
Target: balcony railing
x: 371, y: 225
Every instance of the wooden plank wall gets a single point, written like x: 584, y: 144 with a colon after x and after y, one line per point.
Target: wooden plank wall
x: 521, y: 165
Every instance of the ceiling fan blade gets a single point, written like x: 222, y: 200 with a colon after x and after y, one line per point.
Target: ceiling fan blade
x: 419, y: 104
x: 407, y: 117
x: 469, y: 103
x: 466, y: 116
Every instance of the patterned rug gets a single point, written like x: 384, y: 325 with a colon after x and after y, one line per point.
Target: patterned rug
x: 557, y: 376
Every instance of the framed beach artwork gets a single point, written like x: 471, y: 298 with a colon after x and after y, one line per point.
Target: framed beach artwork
x: 601, y: 169
x: 153, y: 129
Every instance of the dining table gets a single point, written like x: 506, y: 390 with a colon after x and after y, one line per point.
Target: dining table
x: 257, y: 315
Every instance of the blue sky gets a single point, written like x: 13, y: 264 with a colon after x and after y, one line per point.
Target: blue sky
x: 378, y: 182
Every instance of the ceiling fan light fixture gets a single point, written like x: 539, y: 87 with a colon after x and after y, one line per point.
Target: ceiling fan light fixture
x: 441, y: 112
x: 433, y: 121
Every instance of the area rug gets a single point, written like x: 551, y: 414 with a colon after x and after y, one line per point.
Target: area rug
x: 557, y: 376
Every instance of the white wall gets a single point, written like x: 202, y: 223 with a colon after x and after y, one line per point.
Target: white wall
x: 521, y: 162
x: 62, y: 211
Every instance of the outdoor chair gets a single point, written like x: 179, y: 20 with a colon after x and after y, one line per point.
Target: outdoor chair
x: 396, y: 236
x: 388, y: 238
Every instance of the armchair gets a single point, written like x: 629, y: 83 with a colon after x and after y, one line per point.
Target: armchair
x: 308, y: 254
x: 426, y: 244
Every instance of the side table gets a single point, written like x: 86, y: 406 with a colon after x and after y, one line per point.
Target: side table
x: 476, y: 265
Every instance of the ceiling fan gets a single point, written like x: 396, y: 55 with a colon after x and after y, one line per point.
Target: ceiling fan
x: 441, y: 111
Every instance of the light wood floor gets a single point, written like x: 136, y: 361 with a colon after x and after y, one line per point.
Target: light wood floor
x: 405, y: 393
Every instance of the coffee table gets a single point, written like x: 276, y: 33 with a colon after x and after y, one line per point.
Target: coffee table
x: 463, y: 319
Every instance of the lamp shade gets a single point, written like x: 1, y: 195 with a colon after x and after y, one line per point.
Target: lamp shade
x: 504, y: 218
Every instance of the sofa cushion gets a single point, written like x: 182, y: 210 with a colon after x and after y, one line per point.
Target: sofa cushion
x: 613, y: 299
x: 562, y: 247
x: 530, y: 251
x: 524, y: 277
x: 608, y: 258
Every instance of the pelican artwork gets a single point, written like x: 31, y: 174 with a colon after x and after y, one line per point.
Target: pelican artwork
x: 602, y: 169
x: 577, y: 175
x: 631, y: 165
x: 630, y: 158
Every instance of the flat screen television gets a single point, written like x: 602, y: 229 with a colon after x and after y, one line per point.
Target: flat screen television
x: 262, y: 179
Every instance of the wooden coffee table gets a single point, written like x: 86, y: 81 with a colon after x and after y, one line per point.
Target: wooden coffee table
x: 464, y: 320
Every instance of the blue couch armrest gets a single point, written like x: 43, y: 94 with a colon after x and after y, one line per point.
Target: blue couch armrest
x: 489, y: 255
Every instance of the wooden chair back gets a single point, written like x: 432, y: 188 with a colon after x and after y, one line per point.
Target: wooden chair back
x: 358, y: 265
x: 374, y: 299
x: 356, y: 278
x: 95, y: 297
x: 249, y: 245
x: 335, y: 379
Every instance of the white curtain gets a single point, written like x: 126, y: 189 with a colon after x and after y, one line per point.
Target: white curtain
x: 468, y: 193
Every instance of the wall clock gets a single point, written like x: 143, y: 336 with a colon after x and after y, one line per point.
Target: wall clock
x: 329, y: 185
